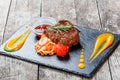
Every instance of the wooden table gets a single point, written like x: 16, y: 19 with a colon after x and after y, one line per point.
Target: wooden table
x: 97, y: 14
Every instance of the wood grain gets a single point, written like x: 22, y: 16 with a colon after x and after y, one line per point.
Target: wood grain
x: 20, y: 12
x: 4, y: 9
x: 61, y: 9
x: 13, y: 69
x: 88, y: 16
x: 52, y: 74
x: 109, y: 14
x: 110, y: 18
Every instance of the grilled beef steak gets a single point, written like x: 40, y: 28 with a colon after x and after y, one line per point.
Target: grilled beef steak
x: 67, y: 37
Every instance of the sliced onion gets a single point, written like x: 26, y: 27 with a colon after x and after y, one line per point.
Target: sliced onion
x: 43, y: 41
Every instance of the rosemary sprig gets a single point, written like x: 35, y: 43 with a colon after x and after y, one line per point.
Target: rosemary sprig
x: 60, y: 28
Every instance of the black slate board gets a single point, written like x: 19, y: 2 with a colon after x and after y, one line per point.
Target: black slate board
x: 70, y: 62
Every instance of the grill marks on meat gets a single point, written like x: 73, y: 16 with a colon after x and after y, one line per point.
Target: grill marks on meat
x: 69, y: 38
x: 54, y: 35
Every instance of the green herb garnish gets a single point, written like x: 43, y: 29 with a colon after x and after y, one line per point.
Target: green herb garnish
x: 60, y: 28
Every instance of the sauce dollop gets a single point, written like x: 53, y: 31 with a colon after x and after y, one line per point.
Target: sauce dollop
x: 40, y: 29
x: 44, y: 26
x: 81, y: 65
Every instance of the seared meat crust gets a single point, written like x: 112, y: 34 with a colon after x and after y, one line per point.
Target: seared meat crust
x: 69, y: 38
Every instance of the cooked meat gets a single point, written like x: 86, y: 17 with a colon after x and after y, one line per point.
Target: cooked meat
x: 64, y: 22
x: 69, y: 37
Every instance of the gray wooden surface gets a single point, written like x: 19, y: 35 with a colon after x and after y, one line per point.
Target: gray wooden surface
x: 97, y: 14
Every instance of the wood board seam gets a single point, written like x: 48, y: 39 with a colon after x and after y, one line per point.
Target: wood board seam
x: 41, y: 9
x: 6, y: 22
x: 110, y: 70
x: 101, y: 28
x: 40, y: 16
x: 38, y: 72
x: 75, y: 12
x: 99, y: 14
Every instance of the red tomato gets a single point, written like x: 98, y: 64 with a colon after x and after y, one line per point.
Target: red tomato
x: 61, y: 50
x: 44, y: 26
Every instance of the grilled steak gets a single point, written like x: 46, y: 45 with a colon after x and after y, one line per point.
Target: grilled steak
x: 69, y: 37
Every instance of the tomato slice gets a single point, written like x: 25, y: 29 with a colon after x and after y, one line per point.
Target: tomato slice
x: 61, y: 50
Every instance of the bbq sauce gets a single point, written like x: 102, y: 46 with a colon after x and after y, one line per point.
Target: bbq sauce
x: 39, y: 30
x: 44, y: 26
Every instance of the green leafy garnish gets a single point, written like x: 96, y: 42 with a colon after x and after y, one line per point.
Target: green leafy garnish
x: 60, y: 28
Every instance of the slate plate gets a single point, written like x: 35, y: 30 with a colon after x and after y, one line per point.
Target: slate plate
x: 70, y: 62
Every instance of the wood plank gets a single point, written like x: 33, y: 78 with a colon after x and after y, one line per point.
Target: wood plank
x: 46, y: 73
x: 20, y: 12
x: 110, y: 19
x: 109, y: 14
x: 13, y: 69
x: 88, y: 16
x: 87, y: 13
x: 4, y: 8
x: 61, y: 9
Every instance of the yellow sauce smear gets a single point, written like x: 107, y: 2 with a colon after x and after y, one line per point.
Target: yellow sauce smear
x: 103, y: 42
x: 81, y: 65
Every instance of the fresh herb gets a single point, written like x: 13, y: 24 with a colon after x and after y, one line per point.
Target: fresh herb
x: 60, y: 28
x: 63, y: 43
